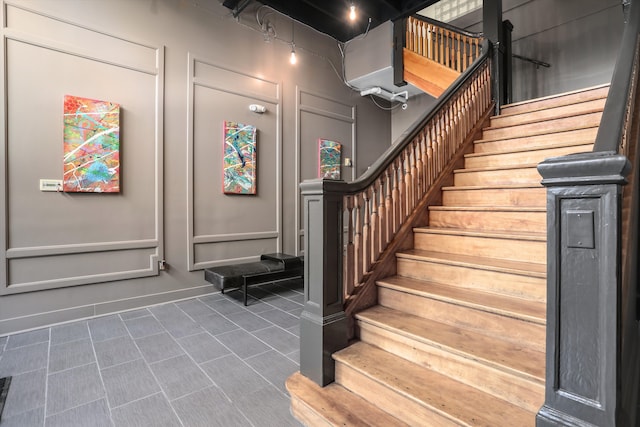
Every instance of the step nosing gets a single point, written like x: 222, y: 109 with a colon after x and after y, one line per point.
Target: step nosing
x: 531, y: 121
x: 497, y: 168
x: 530, y: 135
x: 532, y: 236
x: 558, y: 119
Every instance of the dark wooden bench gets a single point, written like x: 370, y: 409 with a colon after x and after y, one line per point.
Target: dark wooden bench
x: 273, y: 267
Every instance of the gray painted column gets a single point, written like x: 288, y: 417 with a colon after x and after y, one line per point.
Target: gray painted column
x: 323, y: 324
x: 584, y: 193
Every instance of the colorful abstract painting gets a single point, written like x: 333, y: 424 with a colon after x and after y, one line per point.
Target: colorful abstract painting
x: 329, y: 159
x: 91, y: 145
x: 239, y: 159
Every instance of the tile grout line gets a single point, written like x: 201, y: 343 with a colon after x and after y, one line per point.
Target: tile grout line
x: 104, y: 388
x: 154, y: 375
x: 46, y: 381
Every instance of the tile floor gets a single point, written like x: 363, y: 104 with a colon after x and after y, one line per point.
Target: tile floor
x: 207, y: 361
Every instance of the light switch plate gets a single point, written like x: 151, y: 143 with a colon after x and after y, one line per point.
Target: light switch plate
x: 50, y: 185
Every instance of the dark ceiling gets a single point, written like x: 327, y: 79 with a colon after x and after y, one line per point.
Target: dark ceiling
x: 331, y: 16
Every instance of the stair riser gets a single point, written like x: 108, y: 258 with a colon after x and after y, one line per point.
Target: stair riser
x: 409, y: 411
x: 596, y: 105
x: 527, y: 394
x: 529, y: 197
x: 549, y: 126
x: 527, y: 287
x: 526, y: 176
x: 487, y: 221
x: 306, y: 415
x: 514, y: 250
x: 524, y: 157
x: 550, y: 102
x: 586, y: 136
x: 519, y: 332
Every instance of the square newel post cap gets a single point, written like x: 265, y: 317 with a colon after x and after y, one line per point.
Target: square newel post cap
x: 592, y: 168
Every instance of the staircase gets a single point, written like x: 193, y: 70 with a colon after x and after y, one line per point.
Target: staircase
x: 458, y: 335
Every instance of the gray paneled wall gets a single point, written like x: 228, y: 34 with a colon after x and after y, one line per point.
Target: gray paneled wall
x: 178, y: 69
x: 579, y: 38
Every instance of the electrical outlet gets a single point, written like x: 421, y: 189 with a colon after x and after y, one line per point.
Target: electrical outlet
x: 50, y: 185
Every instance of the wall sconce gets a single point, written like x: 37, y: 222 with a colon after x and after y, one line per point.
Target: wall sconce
x: 256, y: 108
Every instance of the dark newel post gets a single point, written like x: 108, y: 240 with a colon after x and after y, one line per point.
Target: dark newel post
x: 584, y: 195
x: 399, y: 35
x: 323, y: 324
x: 494, y: 32
x: 508, y: 62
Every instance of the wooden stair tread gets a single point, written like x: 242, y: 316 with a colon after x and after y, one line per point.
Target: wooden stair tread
x: 506, y: 266
x: 337, y: 405
x: 565, y: 98
x: 576, y: 122
x: 496, y: 168
x: 500, y: 354
x: 555, y: 136
x: 489, y: 208
x: 430, y: 389
x: 516, y: 186
x: 529, y: 149
x: 517, y: 308
x: 511, y: 235
x: 538, y: 116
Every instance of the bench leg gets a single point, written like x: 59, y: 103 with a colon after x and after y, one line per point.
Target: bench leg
x: 244, y: 288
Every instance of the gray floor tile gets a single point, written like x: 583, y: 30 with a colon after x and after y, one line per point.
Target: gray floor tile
x: 143, y: 326
x: 158, y: 347
x: 258, y: 306
x: 280, y: 318
x: 278, y: 338
x: 94, y: 414
x: 269, y: 405
x: 283, y: 304
x: 26, y: 393
x: 73, y: 387
x: 70, y: 355
x: 248, y: 322
x: 195, y: 309
x: 134, y: 314
x: 234, y: 376
x: 275, y: 367
x: 217, y: 324
x: 225, y: 306
x: 24, y: 359
x: 106, y: 328
x: 116, y: 351
x: 34, y: 418
x: 205, y: 299
x: 295, y: 330
x: 208, y: 408
x: 203, y: 347
x: 128, y: 382
x: 175, y: 320
x: 151, y: 411
x: 70, y: 332
x: 299, y: 298
x: 27, y: 338
x: 295, y: 356
x: 179, y: 376
x: 296, y: 311
x: 242, y: 343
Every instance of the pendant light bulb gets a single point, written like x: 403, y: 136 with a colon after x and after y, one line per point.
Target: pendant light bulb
x: 352, y: 12
x: 292, y: 58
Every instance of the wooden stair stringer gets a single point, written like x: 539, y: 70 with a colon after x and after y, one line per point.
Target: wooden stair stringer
x: 439, y: 77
